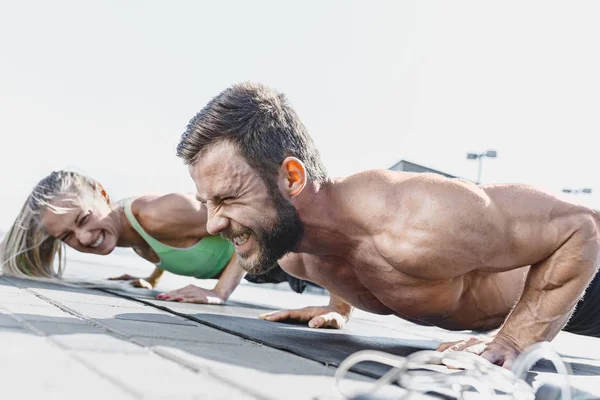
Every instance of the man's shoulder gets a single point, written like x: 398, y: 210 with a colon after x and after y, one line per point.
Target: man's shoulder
x: 394, y: 178
x: 384, y: 184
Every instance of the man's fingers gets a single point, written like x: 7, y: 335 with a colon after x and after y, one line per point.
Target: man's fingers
x: 446, y: 345
x: 266, y: 315
x: 463, y: 345
x: 318, y: 322
x: 508, y: 364
x: 492, y: 357
x: 329, y: 320
x: 495, y: 355
x: 317, y: 317
x: 276, y: 316
x: 452, y: 364
x: 505, y: 360
x: 477, y: 348
x: 301, y: 315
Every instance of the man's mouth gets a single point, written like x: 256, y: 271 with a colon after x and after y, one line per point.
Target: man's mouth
x: 241, y: 239
x: 98, y: 241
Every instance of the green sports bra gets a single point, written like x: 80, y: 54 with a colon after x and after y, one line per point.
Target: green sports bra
x: 204, y: 260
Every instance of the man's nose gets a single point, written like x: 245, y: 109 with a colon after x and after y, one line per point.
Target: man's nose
x: 215, y: 222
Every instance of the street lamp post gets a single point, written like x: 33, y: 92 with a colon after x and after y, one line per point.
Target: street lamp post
x: 479, y: 158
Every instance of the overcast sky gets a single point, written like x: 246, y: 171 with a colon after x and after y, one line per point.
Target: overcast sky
x: 108, y: 87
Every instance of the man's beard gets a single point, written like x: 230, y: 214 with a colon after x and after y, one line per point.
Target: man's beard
x: 282, y: 237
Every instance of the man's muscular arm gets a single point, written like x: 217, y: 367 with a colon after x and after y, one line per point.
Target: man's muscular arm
x: 551, y: 292
x: 552, y: 289
x: 504, y: 227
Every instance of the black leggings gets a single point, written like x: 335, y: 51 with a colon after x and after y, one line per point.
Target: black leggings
x: 277, y: 275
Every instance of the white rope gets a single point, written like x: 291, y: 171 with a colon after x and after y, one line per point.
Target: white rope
x: 414, y: 373
x: 539, y: 351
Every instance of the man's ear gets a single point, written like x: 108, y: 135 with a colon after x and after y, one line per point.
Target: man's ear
x: 292, y: 176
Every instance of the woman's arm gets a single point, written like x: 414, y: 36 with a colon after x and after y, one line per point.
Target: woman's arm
x: 230, y: 278
x: 176, y: 219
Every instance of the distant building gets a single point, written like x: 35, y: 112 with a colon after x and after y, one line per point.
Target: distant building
x: 408, y: 166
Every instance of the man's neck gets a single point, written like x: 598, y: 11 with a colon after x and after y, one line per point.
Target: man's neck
x: 326, y: 226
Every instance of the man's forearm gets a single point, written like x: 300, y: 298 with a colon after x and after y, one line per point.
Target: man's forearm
x: 552, y: 290
x: 340, y: 305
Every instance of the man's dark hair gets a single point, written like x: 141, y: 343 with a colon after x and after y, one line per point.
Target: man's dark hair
x: 260, y: 123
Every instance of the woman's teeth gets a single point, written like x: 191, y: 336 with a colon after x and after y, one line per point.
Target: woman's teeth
x: 98, y: 241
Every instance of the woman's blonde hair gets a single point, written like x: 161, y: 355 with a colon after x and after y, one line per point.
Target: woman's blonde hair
x: 27, y: 249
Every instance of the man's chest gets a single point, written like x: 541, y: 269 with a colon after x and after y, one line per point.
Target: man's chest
x: 405, y: 294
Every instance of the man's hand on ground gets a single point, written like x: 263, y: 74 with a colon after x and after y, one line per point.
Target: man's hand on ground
x: 499, y: 350
x: 192, y: 294
x: 134, y: 281
x: 317, y: 317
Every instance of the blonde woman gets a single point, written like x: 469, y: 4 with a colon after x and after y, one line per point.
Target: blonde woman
x: 67, y: 208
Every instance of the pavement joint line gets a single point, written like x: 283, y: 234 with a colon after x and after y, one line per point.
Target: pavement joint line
x: 208, y: 371
x: 21, y: 321
x: 138, y: 339
x: 191, y: 318
x: 164, y: 355
x: 71, y: 354
x: 157, y: 351
x: 100, y: 304
x: 234, y: 333
x: 78, y: 315
x: 229, y: 331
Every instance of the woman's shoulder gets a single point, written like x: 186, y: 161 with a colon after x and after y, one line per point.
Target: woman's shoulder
x: 163, y: 216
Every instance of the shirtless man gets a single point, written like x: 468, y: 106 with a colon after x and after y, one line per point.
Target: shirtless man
x: 432, y: 250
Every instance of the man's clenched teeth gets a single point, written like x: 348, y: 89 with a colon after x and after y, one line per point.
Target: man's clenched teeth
x: 240, y: 240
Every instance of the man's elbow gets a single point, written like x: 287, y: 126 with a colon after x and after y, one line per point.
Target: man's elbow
x: 586, y: 240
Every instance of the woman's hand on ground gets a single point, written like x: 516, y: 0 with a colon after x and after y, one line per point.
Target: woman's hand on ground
x: 134, y: 281
x: 192, y: 294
